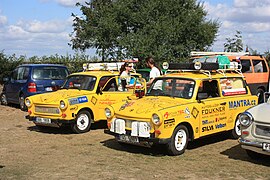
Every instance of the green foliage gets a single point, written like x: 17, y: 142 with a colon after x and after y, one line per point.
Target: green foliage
x: 74, y: 63
x: 164, y: 29
x: 234, y: 44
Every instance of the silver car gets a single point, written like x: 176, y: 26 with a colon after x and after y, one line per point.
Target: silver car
x: 255, y: 129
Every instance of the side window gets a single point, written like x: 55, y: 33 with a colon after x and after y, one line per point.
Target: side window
x: 232, y: 86
x: 259, y: 66
x: 246, y: 66
x: 108, y: 83
x: 26, y: 73
x: 208, y: 89
x: 14, y: 75
x: 20, y: 73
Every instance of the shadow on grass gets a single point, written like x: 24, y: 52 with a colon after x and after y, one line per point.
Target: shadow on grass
x: 238, y: 153
x: 65, y: 129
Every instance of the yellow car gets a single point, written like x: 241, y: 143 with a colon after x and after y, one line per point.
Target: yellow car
x: 82, y: 99
x: 182, y: 106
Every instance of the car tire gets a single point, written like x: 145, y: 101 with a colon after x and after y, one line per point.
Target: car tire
x: 179, y: 141
x: 82, y: 123
x: 253, y: 155
x: 236, y: 132
x: 260, y: 94
x: 3, y: 99
x: 23, y: 107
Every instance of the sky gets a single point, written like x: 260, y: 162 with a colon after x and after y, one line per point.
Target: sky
x: 43, y: 27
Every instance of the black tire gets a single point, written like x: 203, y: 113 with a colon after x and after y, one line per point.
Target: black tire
x: 3, y: 99
x: 260, y: 94
x: 23, y: 107
x: 179, y: 141
x: 236, y: 131
x: 253, y: 155
x: 83, y: 122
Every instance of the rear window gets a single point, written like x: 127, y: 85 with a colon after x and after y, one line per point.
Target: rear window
x: 49, y: 73
x: 232, y: 86
x: 259, y: 66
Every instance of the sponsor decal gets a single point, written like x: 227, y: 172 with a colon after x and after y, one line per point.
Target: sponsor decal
x: 221, y: 118
x: 218, y: 126
x: 127, y: 104
x: 94, y: 100
x: 169, y: 123
x: 207, y: 122
x: 213, y: 110
x: 78, y: 100
x: 187, y: 112
x: 172, y: 114
x: 208, y: 128
x: 241, y: 103
x: 194, y: 112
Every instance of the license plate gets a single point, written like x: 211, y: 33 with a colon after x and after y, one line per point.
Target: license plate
x: 43, y: 120
x: 130, y: 139
x: 48, y: 89
x: 266, y: 147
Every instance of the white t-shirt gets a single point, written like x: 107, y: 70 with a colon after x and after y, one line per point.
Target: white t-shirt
x: 153, y: 74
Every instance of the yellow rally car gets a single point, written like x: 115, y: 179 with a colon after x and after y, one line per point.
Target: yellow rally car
x: 83, y: 98
x: 183, y: 106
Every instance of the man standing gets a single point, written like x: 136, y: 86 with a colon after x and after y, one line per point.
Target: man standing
x: 155, y: 72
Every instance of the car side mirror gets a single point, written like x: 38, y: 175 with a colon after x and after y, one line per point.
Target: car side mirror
x: 99, y: 91
x: 201, y: 96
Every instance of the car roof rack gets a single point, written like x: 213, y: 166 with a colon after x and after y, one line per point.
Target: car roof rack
x: 206, y: 68
x: 202, y: 53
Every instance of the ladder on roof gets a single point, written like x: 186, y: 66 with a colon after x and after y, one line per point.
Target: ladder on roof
x: 202, y: 53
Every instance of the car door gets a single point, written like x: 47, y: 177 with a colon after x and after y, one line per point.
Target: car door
x: 213, y: 108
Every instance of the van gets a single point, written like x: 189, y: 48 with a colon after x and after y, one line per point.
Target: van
x: 30, y: 79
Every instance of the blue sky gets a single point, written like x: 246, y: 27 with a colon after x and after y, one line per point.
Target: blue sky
x: 42, y: 27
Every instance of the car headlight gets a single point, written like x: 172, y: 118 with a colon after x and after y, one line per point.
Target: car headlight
x: 63, y: 105
x: 28, y: 102
x: 108, y: 112
x: 246, y: 119
x: 156, y: 119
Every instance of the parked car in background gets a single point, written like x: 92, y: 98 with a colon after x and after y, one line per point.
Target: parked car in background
x: 254, y: 68
x: 255, y: 130
x: 30, y: 79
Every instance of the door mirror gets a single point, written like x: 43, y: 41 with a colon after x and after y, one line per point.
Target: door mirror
x: 201, y: 96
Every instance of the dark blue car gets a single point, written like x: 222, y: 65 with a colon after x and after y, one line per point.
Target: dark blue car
x: 30, y: 79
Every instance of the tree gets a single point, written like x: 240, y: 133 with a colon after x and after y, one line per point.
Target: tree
x: 165, y: 29
x: 234, y: 44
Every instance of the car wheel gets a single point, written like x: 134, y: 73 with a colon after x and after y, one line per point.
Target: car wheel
x: 260, y: 94
x: 83, y: 122
x: 23, y: 107
x: 253, y: 155
x: 3, y: 99
x: 236, y: 132
x: 178, y: 142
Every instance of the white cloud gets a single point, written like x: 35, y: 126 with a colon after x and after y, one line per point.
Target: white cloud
x: 69, y: 3
x: 3, y: 20
x: 54, y: 26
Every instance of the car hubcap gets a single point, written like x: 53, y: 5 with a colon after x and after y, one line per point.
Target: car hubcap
x: 22, y: 102
x: 82, y: 122
x: 4, y: 99
x: 180, y: 140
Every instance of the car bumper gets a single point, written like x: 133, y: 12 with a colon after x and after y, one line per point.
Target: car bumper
x: 252, y: 146
x: 53, y: 122
x: 142, y: 140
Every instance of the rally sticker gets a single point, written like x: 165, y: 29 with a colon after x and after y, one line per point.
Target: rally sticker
x: 78, y: 100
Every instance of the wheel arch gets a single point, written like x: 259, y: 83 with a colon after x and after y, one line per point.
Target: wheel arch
x: 189, y: 128
x: 89, y: 110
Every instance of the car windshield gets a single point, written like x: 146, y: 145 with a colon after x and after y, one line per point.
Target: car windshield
x: 80, y: 82
x: 49, y: 72
x: 173, y: 87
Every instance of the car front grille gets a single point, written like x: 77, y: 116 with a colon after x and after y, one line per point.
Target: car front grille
x: 262, y: 130
x: 47, y: 110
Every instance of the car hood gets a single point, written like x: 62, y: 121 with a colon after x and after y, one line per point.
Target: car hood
x: 55, y: 97
x: 260, y: 112
x: 145, y: 107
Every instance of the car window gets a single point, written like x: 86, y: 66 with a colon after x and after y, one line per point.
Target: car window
x: 209, y: 89
x: 49, y: 72
x: 259, y: 66
x: 232, y: 86
x: 246, y: 66
x: 174, y: 87
x: 80, y: 82
x: 108, y: 83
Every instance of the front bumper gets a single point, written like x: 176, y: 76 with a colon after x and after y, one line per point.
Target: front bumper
x: 142, y: 140
x: 54, y: 122
x: 252, y: 146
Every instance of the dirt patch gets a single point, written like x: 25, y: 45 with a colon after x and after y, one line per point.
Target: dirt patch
x: 28, y: 152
